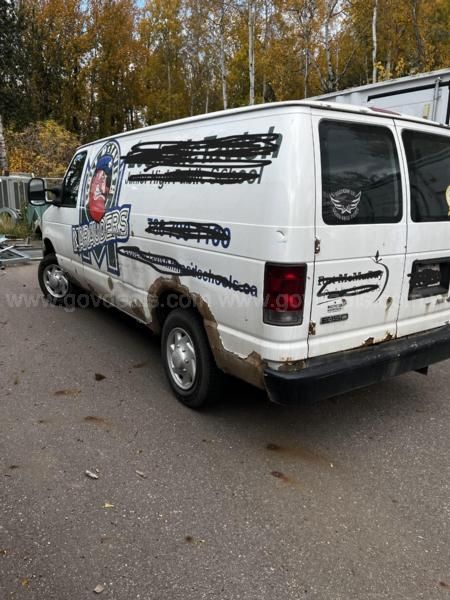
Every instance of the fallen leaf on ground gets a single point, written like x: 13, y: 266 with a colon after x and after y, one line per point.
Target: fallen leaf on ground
x: 191, y: 540
x: 67, y: 392
x: 99, y: 376
x: 25, y: 582
x: 108, y: 505
x: 91, y: 474
x: 95, y: 420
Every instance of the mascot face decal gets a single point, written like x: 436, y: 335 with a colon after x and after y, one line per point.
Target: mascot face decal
x: 102, y: 221
x: 99, y: 188
x: 345, y: 204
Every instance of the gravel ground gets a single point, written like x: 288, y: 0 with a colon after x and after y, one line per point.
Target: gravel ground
x: 346, y: 499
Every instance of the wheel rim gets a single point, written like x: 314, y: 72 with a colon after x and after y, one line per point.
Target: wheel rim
x: 181, y: 358
x: 55, y: 281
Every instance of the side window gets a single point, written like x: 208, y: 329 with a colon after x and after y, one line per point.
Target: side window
x: 428, y: 157
x: 360, y: 174
x: 72, y: 180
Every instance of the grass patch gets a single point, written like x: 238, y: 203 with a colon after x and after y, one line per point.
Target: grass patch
x: 20, y: 230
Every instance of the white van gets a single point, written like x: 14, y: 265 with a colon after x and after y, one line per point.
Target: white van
x: 303, y: 247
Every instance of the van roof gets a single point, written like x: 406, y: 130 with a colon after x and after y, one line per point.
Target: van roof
x: 372, y: 111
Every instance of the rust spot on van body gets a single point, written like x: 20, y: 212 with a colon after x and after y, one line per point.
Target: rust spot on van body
x: 371, y: 341
x: 138, y: 310
x: 292, y: 365
x: 249, y: 369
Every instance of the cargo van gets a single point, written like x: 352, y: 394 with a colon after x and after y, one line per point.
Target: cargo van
x: 303, y: 247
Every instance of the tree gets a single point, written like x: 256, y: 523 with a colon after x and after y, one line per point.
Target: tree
x: 220, y: 14
x: 44, y: 148
x: 161, y: 66
x: 251, y: 49
x: 3, y: 155
x: 111, y: 67
x: 11, y: 61
x: 374, y: 41
x: 98, y: 67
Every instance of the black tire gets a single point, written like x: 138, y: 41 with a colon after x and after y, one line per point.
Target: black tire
x: 62, y: 295
x: 204, y: 387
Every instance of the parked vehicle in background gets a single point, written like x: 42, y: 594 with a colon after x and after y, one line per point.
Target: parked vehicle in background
x: 302, y: 246
x: 426, y: 95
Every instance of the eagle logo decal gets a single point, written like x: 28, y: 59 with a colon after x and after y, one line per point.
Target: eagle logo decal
x: 345, y: 204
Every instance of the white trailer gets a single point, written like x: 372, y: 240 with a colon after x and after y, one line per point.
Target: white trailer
x: 426, y: 95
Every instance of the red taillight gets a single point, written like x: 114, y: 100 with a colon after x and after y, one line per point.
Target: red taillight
x: 284, y: 294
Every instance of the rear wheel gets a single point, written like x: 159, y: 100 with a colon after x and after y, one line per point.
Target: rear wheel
x: 187, y: 359
x: 53, y: 281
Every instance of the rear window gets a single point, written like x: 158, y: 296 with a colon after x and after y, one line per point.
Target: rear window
x: 360, y: 174
x: 428, y: 157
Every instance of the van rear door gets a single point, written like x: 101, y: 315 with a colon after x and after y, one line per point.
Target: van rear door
x: 425, y: 295
x: 360, y: 232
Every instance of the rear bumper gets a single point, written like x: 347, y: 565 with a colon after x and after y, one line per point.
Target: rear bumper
x: 333, y: 374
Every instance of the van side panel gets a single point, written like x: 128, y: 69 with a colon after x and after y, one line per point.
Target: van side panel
x: 211, y: 203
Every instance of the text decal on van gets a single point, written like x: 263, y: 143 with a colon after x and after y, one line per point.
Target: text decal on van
x: 217, y: 160
x: 114, y: 226
x: 102, y: 222
x: 190, y: 230
x: 170, y: 266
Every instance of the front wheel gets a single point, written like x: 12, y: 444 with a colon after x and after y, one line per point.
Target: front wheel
x: 187, y: 359
x: 53, y: 280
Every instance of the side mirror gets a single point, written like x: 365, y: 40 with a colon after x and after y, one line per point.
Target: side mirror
x: 36, y: 192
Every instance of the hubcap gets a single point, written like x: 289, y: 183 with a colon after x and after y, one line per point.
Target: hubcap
x: 55, y: 281
x: 181, y: 358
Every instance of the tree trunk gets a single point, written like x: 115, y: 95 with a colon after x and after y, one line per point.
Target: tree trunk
x: 207, y: 100
x: 223, y: 72
x: 3, y: 157
x: 374, y: 41
x: 331, y: 84
x: 420, y: 52
x: 251, y: 50
x: 169, y: 90
x: 306, y: 74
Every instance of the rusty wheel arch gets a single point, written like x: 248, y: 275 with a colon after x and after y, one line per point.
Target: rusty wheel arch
x: 250, y: 369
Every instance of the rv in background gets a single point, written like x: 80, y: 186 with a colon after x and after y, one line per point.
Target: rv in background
x: 426, y: 95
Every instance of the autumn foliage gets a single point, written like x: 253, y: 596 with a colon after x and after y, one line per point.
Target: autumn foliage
x: 44, y: 148
x: 97, y: 67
